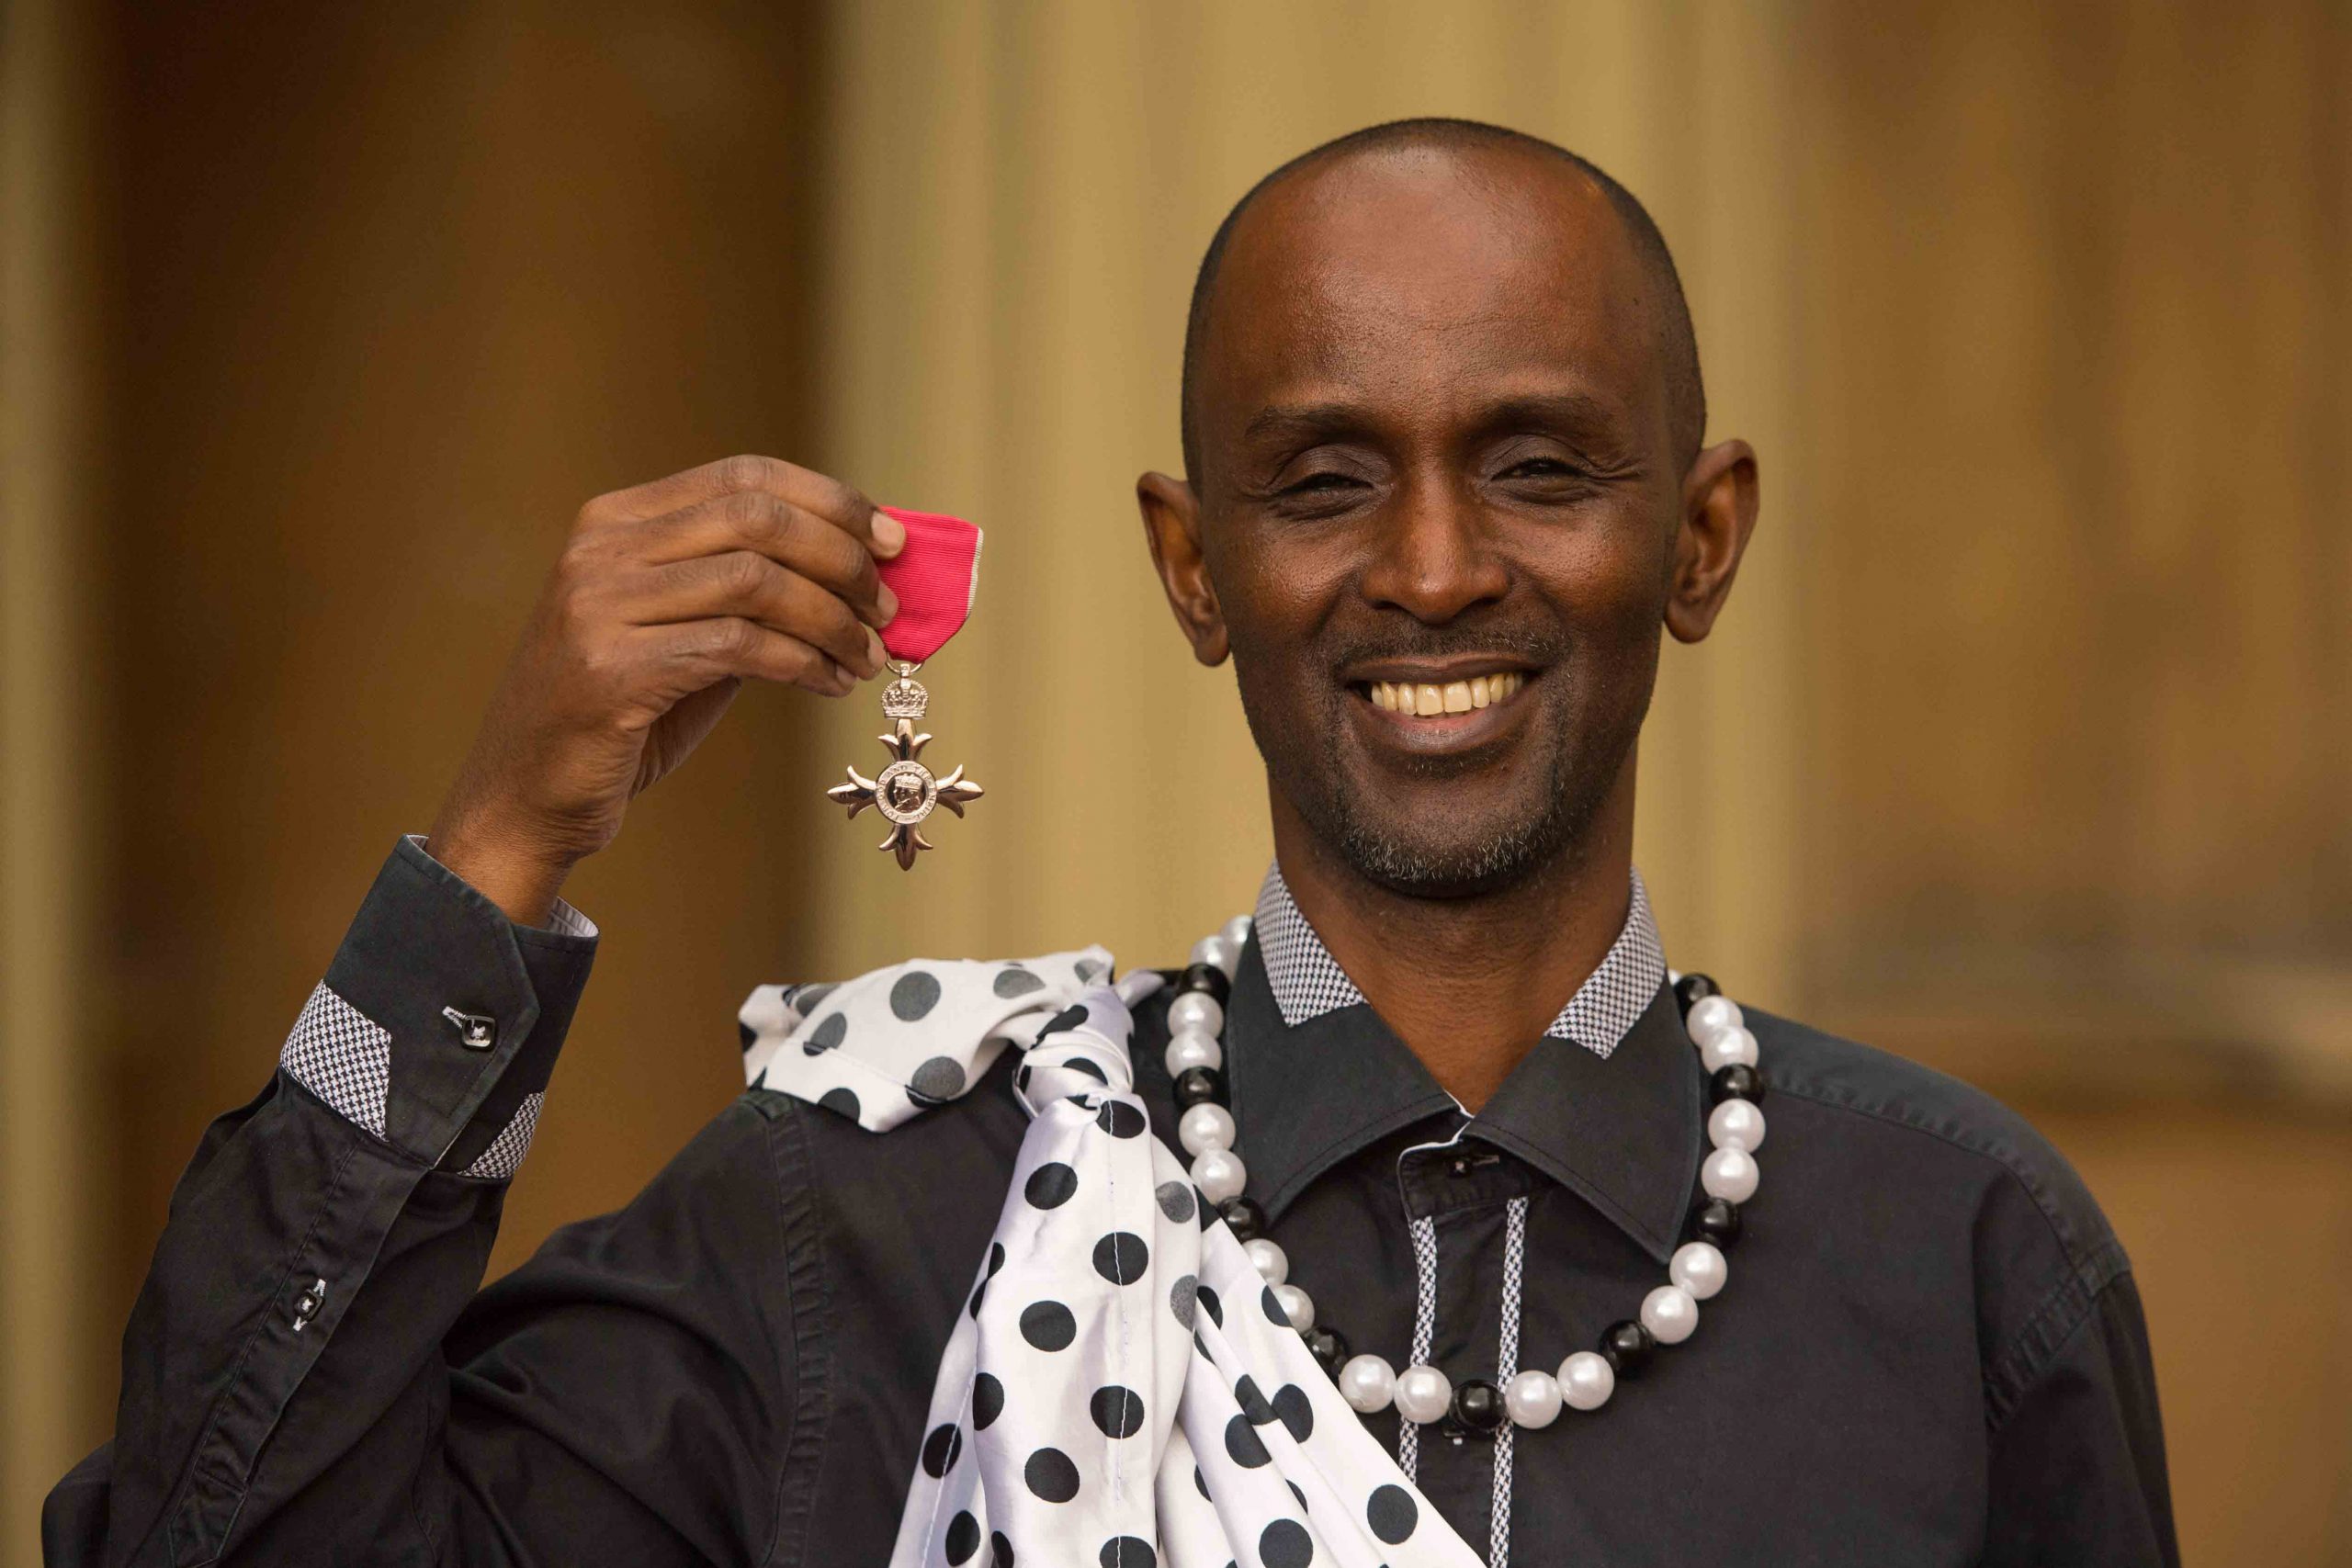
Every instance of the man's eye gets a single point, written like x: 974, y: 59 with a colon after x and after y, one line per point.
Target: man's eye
x: 1540, y: 468
x: 1315, y: 482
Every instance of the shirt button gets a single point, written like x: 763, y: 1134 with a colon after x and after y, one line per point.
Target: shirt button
x: 306, y: 1307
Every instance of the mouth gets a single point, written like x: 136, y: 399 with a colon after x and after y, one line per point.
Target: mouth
x: 1453, y: 707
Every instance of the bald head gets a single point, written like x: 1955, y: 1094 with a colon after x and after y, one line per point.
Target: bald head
x: 1506, y: 164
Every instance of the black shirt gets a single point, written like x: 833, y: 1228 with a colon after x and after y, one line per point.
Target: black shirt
x: 1930, y: 1350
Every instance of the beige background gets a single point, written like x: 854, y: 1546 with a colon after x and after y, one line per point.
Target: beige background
x: 2023, y: 747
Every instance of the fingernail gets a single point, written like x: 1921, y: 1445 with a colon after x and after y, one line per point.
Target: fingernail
x: 886, y: 602
x: 890, y: 535
x: 875, y: 650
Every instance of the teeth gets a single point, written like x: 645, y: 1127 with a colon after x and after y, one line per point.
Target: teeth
x: 1454, y: 696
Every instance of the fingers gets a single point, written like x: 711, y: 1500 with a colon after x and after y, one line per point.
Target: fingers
x: 750, y: 585
x: 819, y: 495
x: 794, y: 538
x: 692, y: 655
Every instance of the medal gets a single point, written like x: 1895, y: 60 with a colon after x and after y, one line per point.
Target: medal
x: 935, y: 577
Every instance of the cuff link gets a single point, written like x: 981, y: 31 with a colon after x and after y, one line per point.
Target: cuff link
x: 476, y: 1031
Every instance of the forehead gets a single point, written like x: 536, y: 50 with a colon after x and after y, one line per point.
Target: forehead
x: 1433, y: 276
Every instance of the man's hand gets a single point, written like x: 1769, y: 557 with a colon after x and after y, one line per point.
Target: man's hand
x: 665, y: 598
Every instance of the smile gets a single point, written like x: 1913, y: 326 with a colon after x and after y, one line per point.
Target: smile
x: 1430, y: 698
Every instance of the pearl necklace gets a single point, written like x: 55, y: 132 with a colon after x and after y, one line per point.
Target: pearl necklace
x: 1422, y: 1395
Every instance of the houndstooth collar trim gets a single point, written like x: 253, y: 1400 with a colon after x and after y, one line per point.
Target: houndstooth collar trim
x: 1307, y: 982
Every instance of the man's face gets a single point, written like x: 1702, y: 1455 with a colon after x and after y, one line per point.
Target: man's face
x: 1436, y: 457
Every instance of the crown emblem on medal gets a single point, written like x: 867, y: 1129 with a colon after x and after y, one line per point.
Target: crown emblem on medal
x: 904, y: 698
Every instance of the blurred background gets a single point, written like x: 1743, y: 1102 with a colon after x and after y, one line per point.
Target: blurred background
x: 2023, y: 749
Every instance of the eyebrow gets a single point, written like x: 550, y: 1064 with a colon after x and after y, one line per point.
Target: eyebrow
x: 1577, y: 411
x: 1302, y: 419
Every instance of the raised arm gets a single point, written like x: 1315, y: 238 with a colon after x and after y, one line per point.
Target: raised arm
x: 286, y: 1377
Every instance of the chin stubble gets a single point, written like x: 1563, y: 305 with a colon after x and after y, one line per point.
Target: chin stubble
x: 1387, y: 854
x: 1418, y: 868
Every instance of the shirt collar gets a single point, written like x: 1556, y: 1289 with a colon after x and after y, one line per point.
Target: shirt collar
x: 1307, y: 982
x: 1608, y: 1103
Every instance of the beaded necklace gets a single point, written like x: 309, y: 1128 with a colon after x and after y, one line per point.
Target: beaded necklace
x: 1422, y: 1395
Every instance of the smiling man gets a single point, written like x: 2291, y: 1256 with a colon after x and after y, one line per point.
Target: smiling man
x: 1462, y: 1166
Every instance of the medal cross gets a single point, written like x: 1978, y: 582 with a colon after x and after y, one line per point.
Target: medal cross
x: 905, y: 791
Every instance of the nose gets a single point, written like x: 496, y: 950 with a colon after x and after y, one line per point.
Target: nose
x: 1433, y: 556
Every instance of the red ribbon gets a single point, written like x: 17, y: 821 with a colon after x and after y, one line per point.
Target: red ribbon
x: 934, y: 578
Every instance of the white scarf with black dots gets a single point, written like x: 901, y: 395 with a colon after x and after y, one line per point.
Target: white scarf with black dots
x: 1121, y: 1388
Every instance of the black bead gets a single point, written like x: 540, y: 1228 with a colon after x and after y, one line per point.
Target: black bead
x: 1738, y: 1081
x: 1206, y: 977
x: 1197, y: 1086
x: 1247, y: 1220
x: 1478, y: 1408
x: 1715, y: 1221
x: 1691, y: 987
x: 1331, y: 1348
x: 1627, y: 1348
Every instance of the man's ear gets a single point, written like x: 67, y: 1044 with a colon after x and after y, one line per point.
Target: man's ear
x: 1718, y: 515
x: 1172, y: 524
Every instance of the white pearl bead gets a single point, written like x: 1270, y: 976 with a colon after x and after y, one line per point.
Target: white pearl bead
x: 1699, y: 1268
x: 1587, y: 1380
x: 1205, y: 1126
x: 1191, y: 1049
x: 1367, y: 1382
x: 1730, y: 1175
x: 1736, y: 1124
x: 1219, y: 950
x: 1709, y: 1014
x: 1267, y: 1258
x: 1422, y: 1395
x: 1219, y: 1175
x: 1197, y: 1012
x: 1296, y: 1306
x: 1532, y: 1399
x: 1670, y: 1314
x: 1726, y: 1046
x: 1237, y: 930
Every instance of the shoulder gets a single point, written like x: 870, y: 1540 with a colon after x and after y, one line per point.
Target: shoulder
x: 1914, y: 1157
x: 720, y: 1188
x: 2011, y: 1163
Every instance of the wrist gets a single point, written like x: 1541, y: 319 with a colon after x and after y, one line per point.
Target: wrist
x: 503, y: 867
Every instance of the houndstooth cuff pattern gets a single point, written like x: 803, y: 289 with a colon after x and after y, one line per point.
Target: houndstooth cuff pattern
x: 505, y: 1157
x: 345, y: 1058
x: 1307, y: 982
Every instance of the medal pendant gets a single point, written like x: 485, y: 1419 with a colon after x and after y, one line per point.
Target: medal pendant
x: 905, y: 791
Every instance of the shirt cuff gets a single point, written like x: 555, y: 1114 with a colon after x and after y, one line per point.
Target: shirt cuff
x: 437, y: 1025
x: 562, y: 920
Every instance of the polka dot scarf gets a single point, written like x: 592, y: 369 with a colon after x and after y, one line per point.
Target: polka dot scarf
x: 1120, y: 1387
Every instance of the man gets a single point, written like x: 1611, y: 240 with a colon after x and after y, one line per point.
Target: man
x: 1445, y: 483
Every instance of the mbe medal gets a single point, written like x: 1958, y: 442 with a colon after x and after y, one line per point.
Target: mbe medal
x: 935, y: 577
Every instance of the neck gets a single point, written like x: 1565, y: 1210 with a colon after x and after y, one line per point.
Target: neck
x: 1470, y: 984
